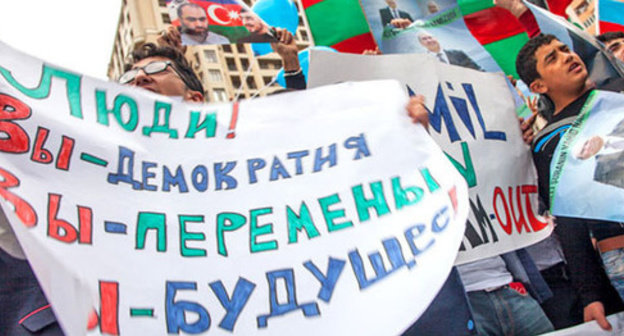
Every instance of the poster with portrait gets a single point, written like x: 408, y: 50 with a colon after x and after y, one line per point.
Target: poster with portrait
x: 204, y: 22
x: 587, y: 170
x: 434, y: 27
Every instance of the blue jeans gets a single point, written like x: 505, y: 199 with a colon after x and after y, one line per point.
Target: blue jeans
x: 614, y: 266
x: 506, y: 312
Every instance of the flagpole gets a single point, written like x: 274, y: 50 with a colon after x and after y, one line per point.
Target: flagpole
x: 238, y: 91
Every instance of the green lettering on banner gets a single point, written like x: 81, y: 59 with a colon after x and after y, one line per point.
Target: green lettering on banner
x: 432, y: 184
x: 256, y: 230
x: 156, y: 126
x: 401, y: 195
x: 119, y: 102
x: 378, y: 202
x: 152, y: 221
x: 209, y: 124
x: 303, y: 221
x: 235, y: 220
x: 332, y: 215
x: 42, y: 90
x: 185, y: 236
x: 468, y: 172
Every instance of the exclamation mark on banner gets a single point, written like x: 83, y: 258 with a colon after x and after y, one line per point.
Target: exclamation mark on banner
x: 232, y: 133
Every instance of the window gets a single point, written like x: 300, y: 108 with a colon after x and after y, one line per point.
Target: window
x: 244, y: 63
x: 227, y: 48
x: 240, y: 48
x: 162, y: 3
x: 263, y: 64
x: 215, y: 75
x: 231, y: 64
x: 165, y: 18
x: 269, y: 64
x: 304, y: 35
x: 211, y: 56
x: 267, y: 80
x: 236, y: 81
x: 251, y: 83
x: 219, y: 95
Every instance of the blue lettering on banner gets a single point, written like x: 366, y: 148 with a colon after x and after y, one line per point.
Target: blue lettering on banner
x: 234, y: 305
x: 279, y: 309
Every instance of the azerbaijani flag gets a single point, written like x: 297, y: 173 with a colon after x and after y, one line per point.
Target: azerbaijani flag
x: 610, y: 16
x: 339, y: 24
x: 497, y: 30
x: 223, y: 16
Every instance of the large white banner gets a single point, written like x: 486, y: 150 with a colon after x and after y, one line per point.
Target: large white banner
x: 318, y: 212
x: 472, y: 117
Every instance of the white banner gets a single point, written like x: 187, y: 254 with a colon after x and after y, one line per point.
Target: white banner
x: 472, y: 117
x: 325, y: 211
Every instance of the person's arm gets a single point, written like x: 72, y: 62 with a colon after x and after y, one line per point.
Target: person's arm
x: 586, y: 273
x: 287, y: 49
x: 171, y: 38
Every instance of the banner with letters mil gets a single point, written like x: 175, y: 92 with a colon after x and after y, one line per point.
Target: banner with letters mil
x: 472, y: 117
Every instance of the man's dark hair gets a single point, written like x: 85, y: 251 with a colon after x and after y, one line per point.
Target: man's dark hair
x: 179, y: 63
x: 526, y: 63
x: 608, y: 36
x: 187, y: 4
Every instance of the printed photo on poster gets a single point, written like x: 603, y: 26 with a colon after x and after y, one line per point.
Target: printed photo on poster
x: 204, y: 22
x: 434, y: 27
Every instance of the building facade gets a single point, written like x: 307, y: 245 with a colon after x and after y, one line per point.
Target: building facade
x: 227, y: 71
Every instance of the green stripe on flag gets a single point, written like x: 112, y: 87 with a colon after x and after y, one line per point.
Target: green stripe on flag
x: 332, y: 21
x: 505, y: 52
x: 472, y: 6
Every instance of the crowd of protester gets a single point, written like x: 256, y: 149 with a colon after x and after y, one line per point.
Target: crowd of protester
x: 560, y: 282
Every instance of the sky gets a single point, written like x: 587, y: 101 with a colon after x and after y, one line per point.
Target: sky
x: 75, y: 34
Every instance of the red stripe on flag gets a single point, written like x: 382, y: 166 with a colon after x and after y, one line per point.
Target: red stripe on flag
x: 610, y: 27
x: 356, y: 44
x: 493, y: 24
x: 308, y: 3
x: 558, y: 7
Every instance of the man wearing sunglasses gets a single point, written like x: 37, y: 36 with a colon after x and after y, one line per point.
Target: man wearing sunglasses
x: 194, y: 26
x: 165, y: 71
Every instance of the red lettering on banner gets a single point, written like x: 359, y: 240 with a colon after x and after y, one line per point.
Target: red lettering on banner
x: 64, y: 231
x: 16, y: 139
x: 23, y: 210
x: 507, y: 225
x: 40, y: 154
x: 536, y: 224
x: 109, y: 307
x: 64, y: 155
x: 519, y: 220
x: 43, y: 155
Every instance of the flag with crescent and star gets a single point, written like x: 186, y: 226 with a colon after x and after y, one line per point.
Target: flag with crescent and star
x: 224, y: 16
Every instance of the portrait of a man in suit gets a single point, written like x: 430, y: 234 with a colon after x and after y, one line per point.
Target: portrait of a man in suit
x: 609, y: 153
x: 392, y: 15
x: 448, y: 56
